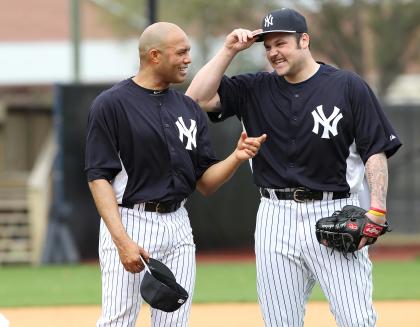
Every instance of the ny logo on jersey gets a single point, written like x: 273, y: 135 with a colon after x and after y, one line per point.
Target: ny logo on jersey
x: 330, y: 123
x: 268, y: 20
x: 189, y: 133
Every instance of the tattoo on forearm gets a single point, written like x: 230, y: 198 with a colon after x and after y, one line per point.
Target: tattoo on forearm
x: 377, y: 178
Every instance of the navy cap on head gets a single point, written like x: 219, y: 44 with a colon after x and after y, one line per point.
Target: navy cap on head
x: 160, y: 289
x: 282, y: 20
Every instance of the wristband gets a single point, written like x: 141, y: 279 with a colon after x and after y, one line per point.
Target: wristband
x: 376, y: 213
x: 378, y: 210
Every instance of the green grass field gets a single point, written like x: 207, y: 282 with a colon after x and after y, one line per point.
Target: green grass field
x: 222, y: 282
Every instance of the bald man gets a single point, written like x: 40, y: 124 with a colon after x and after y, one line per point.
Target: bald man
x: 147, y: 149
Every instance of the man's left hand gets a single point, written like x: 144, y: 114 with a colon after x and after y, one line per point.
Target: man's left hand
x: 248, y: 146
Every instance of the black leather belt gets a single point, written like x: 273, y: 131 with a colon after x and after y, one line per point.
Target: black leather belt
x: 302, y: 194
x: 159, y: 207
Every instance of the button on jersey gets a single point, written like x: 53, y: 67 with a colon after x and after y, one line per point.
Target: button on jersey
x: 320, y: 132
x: 150, y: 146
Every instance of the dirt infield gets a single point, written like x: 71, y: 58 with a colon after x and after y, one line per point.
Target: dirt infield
x: 391, y: 314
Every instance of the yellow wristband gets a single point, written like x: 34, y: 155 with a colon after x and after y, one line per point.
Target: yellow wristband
x: 376, y: 213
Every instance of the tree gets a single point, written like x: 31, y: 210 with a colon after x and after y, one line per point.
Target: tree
x: 207, y: 20
x: 376, y: 39
x: 204, y: 20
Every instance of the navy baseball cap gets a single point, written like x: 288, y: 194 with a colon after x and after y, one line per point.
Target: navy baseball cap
x: 160, y: 289
x: 284, y: 20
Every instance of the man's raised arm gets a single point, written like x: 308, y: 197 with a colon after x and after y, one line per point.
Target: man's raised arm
x: 203, y: 88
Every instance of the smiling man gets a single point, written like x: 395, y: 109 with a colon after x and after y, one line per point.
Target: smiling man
x: 147, y: 150
x: 325, y: 130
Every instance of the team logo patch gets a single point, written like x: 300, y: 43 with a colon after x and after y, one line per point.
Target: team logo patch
x: 329, y: 124
x: 189, y: 133
x: 372, y: 230
x: 268, y: 20
x: 352, y: 226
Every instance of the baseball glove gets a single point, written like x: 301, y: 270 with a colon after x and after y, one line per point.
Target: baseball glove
x: 344, y: 230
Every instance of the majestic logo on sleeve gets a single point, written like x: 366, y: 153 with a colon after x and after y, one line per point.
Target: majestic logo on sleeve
x: 189, y: 133
x: 268, y: 20
x: 329, y: 124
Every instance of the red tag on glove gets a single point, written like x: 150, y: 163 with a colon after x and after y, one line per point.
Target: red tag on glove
x: 372, y: 230
x: 352, y: 226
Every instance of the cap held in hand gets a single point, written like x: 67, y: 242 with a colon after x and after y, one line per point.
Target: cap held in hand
x: 160, y: 289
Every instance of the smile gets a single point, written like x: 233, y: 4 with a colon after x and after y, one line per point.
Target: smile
x: 279, y: 61
x: 183, y: 70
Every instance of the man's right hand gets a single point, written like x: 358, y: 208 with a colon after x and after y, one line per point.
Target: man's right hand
x: 130, y: 252
x: 240, y: 39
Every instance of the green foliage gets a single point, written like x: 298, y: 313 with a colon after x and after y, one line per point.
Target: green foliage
x: 377, y: 39
x: 213, y: 18
x: 202, y: 19
x: 368, y: 36
x: 216, y: 282
x: 396, y: 25
x: 199, y: 17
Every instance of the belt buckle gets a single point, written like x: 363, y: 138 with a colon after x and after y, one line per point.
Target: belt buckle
x: 295, y: 195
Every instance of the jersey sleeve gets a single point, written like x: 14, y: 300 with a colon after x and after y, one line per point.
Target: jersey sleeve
x: 101, y: 154
x: 374, y: 132
x: 206, y: 156
x: 232, y: 92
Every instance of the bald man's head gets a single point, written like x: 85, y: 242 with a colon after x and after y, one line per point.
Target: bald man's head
x: 157, y: 36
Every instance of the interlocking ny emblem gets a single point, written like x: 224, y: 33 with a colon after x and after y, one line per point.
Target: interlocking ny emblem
x: 330, y: 123
x: 268, y: 20
x: 189, y: 133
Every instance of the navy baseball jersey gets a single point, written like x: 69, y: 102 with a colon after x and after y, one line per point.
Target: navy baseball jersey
x: 152, y: 147
x: 320, y: 131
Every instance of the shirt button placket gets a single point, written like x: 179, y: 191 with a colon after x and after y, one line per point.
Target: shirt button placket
x: 293, y: 120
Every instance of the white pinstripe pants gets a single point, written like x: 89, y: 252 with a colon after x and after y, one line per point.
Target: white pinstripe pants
x: 168, y: 238
x: 290, y: 260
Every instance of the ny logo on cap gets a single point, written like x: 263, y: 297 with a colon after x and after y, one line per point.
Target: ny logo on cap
x: 330, y: 123
x: 268, y: 20
x: 190, y: 133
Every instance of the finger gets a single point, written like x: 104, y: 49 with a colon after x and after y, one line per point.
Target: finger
x: 253, y: 144
x: 256, y: 31
x: 249, y: 34
x: 252, y: 148
x: 244, y: 35
x: 244, y: 136
x: 362, y: 243
x: 130, y: 268
x: 140, y: 268
x: 241, y: 147
x: 249, y: 153
x: 142, y: 264
x: 238, y: 34
x: 253, y: 141
x: 145, y: 255
x: 262, y: 138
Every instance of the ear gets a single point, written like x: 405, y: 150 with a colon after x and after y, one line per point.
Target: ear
x: 154, y: 55
x: 304, y: 41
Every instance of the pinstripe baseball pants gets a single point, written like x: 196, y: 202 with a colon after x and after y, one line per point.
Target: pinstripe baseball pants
x: 168, y: 238
x: 290, y: 260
